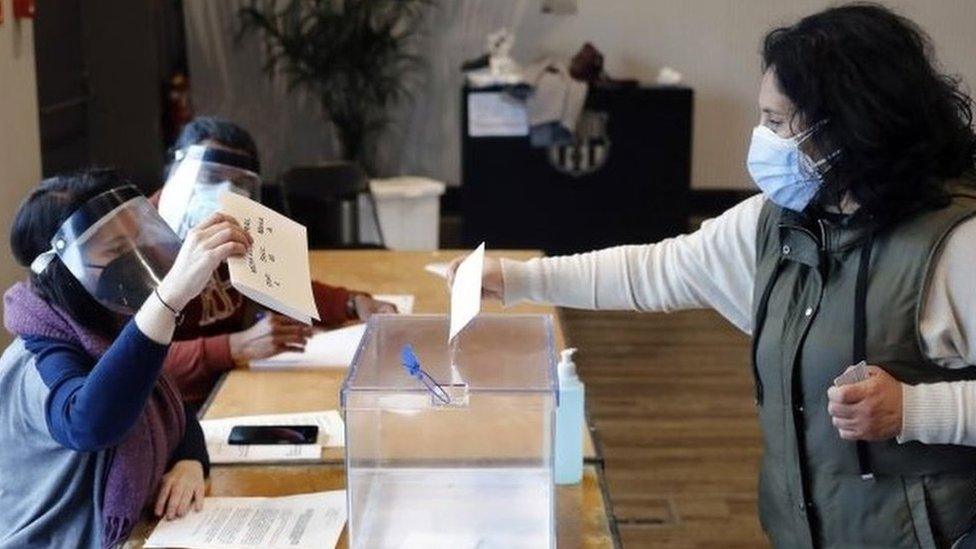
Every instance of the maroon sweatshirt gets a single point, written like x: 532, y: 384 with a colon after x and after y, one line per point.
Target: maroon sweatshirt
x: 200, y: 351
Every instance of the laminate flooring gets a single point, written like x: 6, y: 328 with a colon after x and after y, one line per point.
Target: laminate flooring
x: 671, y: 398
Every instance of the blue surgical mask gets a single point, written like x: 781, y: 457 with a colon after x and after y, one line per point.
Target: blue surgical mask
x: 782, y: 171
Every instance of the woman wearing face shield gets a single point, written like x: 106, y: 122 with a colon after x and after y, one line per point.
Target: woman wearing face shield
x: 93, y: 432
x: 214, y: 156
x: 859, y: 248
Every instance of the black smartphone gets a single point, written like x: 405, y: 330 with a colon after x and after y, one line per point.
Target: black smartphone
x: 274, y: 434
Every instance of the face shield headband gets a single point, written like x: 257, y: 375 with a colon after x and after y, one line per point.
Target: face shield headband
x: 200, y: 176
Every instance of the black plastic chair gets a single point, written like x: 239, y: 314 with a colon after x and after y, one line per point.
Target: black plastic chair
x: 273, y: 197
x: 325, y: 199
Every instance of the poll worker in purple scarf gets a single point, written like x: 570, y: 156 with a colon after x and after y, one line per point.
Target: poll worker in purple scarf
x: 93, y: 434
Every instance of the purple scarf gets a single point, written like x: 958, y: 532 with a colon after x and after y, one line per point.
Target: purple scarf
x: 137, y: 464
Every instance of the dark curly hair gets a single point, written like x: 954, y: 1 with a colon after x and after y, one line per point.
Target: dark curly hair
x: 903, y: 127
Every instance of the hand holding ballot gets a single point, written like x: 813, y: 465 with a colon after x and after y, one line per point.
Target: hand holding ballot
x: 492, y: 283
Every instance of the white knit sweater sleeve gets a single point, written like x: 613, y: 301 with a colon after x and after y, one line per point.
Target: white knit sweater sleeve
x: 711, y: 267
x: 945, y: 413
x: 715, y: 267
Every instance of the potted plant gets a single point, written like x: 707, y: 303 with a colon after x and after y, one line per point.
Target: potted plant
x: 356, y: 57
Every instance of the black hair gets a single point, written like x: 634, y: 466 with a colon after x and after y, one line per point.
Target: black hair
x: 903, y: 127
x: 38, y: 219
x: 203, y: 128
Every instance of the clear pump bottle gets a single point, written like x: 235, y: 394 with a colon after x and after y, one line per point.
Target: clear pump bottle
x: 569, y: 422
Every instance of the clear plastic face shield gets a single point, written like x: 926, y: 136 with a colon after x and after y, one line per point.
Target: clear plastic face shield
x: 117, y: 246
x: 201, y: 174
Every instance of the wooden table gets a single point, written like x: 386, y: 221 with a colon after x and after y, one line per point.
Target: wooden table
x: 582, y: 510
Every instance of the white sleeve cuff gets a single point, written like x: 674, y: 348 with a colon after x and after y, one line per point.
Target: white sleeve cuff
x: 931, y: 414
x: 516, y: 280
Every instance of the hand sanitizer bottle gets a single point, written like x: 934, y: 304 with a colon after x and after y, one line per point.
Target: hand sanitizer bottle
x: 569, y: 422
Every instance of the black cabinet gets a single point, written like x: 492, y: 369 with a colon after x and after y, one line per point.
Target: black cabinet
x: 625, y: 181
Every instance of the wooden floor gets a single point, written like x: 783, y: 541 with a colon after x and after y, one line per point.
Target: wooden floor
x: 671, y: 399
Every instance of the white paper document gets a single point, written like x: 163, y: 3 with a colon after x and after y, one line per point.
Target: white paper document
x: 466, y: 291
x: 222, y: 452
x: 325, y: 349
x: 216, y: 432
x: 306, y: 521
x: 275, y: 271
x: 403, y: 302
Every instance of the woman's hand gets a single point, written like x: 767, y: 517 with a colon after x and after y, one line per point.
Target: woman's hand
x: 206, y: 246
x: 181, y: 488
x: 869, y: 409
x: 270, y: 335
x: 365, y: 306
x: 492, y: 282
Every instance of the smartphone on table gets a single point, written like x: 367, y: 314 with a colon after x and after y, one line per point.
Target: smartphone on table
x: 274, y: 434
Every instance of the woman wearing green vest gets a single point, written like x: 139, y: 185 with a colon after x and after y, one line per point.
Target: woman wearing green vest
x: 861, y: 247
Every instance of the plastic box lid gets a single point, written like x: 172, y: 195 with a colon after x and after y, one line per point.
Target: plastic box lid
x: 496, y: 352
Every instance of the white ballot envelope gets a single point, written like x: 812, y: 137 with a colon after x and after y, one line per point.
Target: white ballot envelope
x: 275, y: 272
x: 221, y: 452
x: 466, y: 291
x: 305, y: 521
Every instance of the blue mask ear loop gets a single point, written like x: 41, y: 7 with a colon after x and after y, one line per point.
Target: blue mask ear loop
x: 412, y: 365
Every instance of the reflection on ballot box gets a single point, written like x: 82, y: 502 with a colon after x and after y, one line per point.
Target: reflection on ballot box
x: 456, y: 451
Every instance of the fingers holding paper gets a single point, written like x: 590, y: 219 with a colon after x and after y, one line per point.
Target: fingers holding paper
x: 867, y: 410
x: 492, y: 282
x: 206, y: 246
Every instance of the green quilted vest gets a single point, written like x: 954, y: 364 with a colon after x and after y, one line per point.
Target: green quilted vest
x: 816, y: 489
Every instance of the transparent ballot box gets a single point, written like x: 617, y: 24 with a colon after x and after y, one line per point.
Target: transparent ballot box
x: 456, y: 449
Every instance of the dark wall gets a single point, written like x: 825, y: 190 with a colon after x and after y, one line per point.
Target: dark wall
x: 63, y: 87
x: 123, y: 65
x: 101, y: 69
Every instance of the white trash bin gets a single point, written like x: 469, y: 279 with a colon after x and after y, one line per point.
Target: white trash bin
x: 409, y: 212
